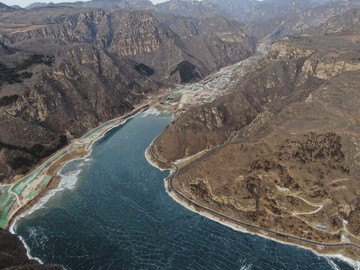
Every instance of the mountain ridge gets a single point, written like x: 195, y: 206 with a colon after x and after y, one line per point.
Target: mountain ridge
x: 67, y: 73
x: 67, y: 68
x: 5, y: 8
x: 272, y: 152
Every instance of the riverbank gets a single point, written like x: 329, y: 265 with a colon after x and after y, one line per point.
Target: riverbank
x: 319, y: 249
x: 24, y: 193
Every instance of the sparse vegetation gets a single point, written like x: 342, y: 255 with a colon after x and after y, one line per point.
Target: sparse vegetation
x: 187, y: 72
x: 144, y: 69
x: 7, y: 100
x: 34, y: 60
x: 14, y: 75
x: 323, y: 148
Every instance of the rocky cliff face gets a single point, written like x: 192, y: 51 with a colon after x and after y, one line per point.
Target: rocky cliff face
x: 81, y: 87
x: 158, y: 43
x: 265, y: 18
x: 103, y: 4
x: 346, y: 22
x: 98, y: 27
x: 65, y: 74
x: 268, y: 18
x: 122, y: 4
x: 196, y: 9
x: 208, y: 43
x: 280, y: 18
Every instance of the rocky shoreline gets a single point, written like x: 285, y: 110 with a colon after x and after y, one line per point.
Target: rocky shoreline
x: 318, y: 248
x: 13, y: 252
x: 54, y: 167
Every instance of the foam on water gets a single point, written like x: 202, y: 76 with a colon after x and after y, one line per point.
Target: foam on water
x: 352, y: 263
x: 11, y: 229
x: 28, y: 251
x: 69, y: 180
x: 332, y: 264
x: 246, y: 267
x: 151, y: 111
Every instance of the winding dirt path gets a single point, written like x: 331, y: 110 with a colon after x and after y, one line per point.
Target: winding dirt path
x: 181, y: 195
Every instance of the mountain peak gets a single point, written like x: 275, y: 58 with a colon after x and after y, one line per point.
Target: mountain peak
x: 122, y: 4
x: 5, y: 8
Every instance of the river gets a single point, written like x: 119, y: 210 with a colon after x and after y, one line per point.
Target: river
x: 112, y: 212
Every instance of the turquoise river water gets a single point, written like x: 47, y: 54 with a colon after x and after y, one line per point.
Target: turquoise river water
x: 112, y: 211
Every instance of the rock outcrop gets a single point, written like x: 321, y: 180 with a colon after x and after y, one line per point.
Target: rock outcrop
x: 77, y: 90
x: 13, y: 255
x: 282, y: 150
x: 65, y: 74
x: 265, y: 18
x: 160, y: 43
x: 294, y: 66
x: 346, y: 22
x: 196, y: 9
x: 103, y: 4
